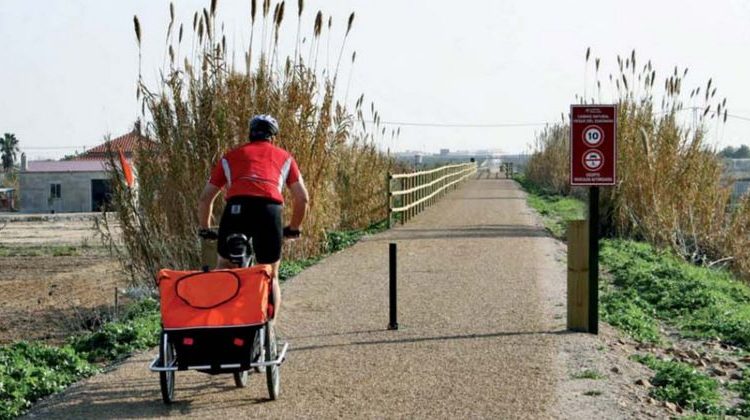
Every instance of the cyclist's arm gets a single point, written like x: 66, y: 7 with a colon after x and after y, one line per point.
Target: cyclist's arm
x: 300, y: 199
x: 206, y: 205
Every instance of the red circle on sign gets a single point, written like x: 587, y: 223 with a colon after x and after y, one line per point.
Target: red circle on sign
x: 593, y: 135
x: 593, y: 160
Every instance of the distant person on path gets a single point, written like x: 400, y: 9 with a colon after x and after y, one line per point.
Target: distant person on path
x: 253, y: 176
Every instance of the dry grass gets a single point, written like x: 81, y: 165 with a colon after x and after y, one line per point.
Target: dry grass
x: 201, y: 110
x: 550, y: 163
x: 671, y: 190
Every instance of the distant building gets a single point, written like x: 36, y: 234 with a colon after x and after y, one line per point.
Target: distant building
x: 445, y: 152
x: 738, y: 170
x: 70, y: 186
x: 64, y: 186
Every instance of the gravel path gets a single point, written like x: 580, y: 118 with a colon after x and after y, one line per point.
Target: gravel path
x: 481, y: 298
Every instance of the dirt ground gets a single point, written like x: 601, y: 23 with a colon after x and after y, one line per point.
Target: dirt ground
x: 482, y: 334
x: 55, y: 277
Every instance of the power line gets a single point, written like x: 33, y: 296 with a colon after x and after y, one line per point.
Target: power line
x: 738, y: 117
x: 459, y: 125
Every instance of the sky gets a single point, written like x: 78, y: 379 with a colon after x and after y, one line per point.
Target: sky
x: 68, y: 68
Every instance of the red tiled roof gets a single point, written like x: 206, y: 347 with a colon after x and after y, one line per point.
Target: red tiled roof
x: 128, y: 143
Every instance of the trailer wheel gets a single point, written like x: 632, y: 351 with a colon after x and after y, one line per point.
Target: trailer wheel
x: 166, y: 379
x: 271, y: 353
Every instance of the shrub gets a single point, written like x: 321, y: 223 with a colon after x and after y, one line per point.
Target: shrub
x: 201, y: 110
x: 549, y: 165
x: 137, y: 330
x: 681, y: 384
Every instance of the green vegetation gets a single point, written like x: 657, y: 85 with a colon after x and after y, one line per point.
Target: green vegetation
x: 339, y: 240
x: 289, y: 269
x: 625, y: 310
x: 743, y: 388
x: 681, y: 384
x: 29, y: 371
x: 588, y: 374
x: 335, y: 241
x: 137, y: 330
x: 556, y: 210
x: 701, y: 302
x: 593, y: 393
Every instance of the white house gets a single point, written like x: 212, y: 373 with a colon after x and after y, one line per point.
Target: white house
x: 70, y: 186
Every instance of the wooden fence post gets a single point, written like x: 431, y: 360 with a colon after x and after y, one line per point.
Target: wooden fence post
x: 388, y: 199
x: 578, y: 275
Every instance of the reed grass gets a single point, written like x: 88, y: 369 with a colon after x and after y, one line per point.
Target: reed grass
x: 200, y: 110
x: 671, y: 188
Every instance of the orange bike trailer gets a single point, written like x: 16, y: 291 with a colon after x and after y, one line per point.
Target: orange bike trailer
x: 214, y: 316
x: 220, y: 298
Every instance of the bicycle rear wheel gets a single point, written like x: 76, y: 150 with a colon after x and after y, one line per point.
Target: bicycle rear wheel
x: 273, y: 379
x: 240, y: 379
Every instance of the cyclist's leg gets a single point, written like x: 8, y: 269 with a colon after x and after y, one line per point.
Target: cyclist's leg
x: 267, y: 240
x: 275, y: 289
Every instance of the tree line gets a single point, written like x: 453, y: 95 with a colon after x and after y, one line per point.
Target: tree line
x: 730, y: 152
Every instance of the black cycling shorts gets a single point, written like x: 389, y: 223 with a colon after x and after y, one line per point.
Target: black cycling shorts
x: 257, y: 218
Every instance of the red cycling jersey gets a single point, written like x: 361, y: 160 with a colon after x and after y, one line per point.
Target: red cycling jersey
x: 256, y: 169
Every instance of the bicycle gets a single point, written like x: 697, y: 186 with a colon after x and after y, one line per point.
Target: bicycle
x: 219, y: 349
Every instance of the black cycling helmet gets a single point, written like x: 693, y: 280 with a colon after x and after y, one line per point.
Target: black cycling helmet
x: 263, y: 127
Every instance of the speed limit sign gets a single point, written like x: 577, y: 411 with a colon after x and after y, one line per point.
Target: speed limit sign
x: 593, y: 135
x: 593, y: 152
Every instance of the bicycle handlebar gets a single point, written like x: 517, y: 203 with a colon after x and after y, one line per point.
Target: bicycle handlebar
x: 213, y: 235
x: 291, y: 234
x: 208, y: 234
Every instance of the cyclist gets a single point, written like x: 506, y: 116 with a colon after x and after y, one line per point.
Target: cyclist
x: 253, y: 176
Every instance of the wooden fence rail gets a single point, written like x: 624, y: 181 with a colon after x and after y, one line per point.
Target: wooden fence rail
x: 410, y: 193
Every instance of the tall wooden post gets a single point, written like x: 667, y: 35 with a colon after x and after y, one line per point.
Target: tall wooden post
x: 578, y: 276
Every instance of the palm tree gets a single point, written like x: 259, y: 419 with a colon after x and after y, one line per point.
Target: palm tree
x: 8, y: 150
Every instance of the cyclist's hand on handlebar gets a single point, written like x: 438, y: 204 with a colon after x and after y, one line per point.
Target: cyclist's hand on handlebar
x: 290, y: 233
x: 209, y: 234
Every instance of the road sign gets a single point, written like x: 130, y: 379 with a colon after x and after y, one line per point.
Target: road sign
x: 593, y: 147
x: 593, y: 136
x: 593, y: 160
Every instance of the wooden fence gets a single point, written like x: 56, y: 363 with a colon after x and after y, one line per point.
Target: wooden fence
x: 410, y: 193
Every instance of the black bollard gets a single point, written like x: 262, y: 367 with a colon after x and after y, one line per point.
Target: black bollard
x: 393, y: 324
